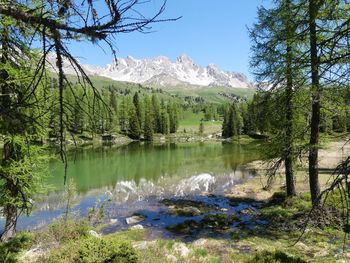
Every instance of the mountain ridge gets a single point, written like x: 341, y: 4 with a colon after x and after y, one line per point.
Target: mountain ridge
x: 161, y: 71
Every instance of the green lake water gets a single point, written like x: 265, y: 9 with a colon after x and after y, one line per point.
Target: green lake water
x: 104, y: 167
x: 140, y: 174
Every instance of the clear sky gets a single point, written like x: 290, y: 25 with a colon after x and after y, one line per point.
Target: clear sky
x: 210, y: 31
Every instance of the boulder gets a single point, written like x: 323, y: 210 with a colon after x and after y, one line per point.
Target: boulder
x: 139, y: 227
x: 93, y: 233
x: 187, y: 211
x: 114, y: 221
x: 134, y: 219
x: 181, y: 249
x: 171, y: 258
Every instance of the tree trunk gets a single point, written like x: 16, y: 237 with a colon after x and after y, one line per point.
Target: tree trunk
x: 316, y: 105
x: 289, y: 146
x: 11, y: 221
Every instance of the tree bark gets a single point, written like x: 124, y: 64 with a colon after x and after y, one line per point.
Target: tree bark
x: 316, y: 105
x: 11, y: 222
x: 289, y: 146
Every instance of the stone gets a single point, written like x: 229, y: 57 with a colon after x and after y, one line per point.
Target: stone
x: 171, y: 258
x: 93, y: 233
x: 200, y: 242
x: 247, y: 211
x: 322, y: 253
x: 134, y: 219
x: 140, y: 245
x: 181, y: 249
x: 302, y: 246
x: 186, y: 227
x: 138, y: 227
x: 114, y: 221
x: 187, y: 211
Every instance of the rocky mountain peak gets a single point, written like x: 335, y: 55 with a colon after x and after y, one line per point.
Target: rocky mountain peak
x: 165, y: 72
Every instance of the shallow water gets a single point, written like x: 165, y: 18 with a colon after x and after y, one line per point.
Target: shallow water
x: 136, y: 176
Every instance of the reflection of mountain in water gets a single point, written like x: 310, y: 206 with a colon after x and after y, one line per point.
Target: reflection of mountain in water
x: 138, y: 172
x: 105, y: 167
x: 132, y: 191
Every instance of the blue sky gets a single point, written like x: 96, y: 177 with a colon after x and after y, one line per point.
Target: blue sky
x: 209, y: 32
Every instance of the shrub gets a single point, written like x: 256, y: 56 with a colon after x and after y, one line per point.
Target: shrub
x: 94, y: 250
x: 62, y: 231
x: 9, y: 250
x: 278, y: 197
x: 274, y: 257
x: 104, y: 250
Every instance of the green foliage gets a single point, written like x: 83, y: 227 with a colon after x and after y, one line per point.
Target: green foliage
x: 214, y: 260
x: 164, y: 121
x: 200, y: 252
x: 9, y: 250
x: 148, y: 125
x: 274, y: 257
x: 23, y: 174
x: 97, y: 212
x: 94, y: 250
x: 201, y: 128
x: 173, y: 111
x: 70, y: 193
x: 138, y: 108
x: 233, y: 122
x: 134, y: 124
x: 63, y: 231
x: 156, y: 114
x: 284, y: 208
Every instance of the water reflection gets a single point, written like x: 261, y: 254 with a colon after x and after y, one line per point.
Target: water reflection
x: 143, y: 171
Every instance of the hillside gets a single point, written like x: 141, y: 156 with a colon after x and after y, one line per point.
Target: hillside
x: 216, y: 95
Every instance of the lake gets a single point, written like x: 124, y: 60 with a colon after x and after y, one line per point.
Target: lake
x: 138, y: 175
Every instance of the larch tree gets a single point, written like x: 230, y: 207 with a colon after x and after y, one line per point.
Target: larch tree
x: 275, y: 40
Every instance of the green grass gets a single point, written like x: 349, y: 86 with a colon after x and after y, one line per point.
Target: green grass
x: 210, y: 94
x: 191, y: 121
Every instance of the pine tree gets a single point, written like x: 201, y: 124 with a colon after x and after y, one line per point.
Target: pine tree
x: 232, y: 123
x: 157, y: 126
x: 173, y: 116
x: 138, y: 108
x: 148, y: 125
x: 164, y: 122
x: 113, y: 104
x: 134, y: 124
x: 123, y: 115
x: 201, y: 127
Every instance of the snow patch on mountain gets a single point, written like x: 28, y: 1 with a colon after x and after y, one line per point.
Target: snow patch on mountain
x: 164, y: 72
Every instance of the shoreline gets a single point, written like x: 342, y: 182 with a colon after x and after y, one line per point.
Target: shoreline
x: 329, y: 158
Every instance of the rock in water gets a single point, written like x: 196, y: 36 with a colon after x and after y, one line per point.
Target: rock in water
x: 114, y: 221
x: 134, y: 219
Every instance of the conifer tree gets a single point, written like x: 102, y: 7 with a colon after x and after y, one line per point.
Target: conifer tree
x: 137, y: 104
x: 148, y: 125
x: 173, y: 116
x: 134, y: 124
x: 156, y: 114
